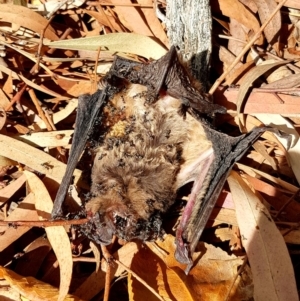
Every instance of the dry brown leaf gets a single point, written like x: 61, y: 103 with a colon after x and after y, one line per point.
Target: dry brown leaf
x: 292, y: 237
x: 103, y: 19
x: 82, y: 87
x: 291, y: 3
x: 153, y: 22
x: 265, y: 9
x: 290, y: 81
x: 62, y: 114
x: 249, y: 79
x: 276, y: 198
x: 227, y: 58
x: 25, y: 17
x: 262, y: 150
x: 132, y: 17
x: 271, y: 266
x: 25, y: 211
x: 97, y: 254
x: 47, y: 139
x: 237, y: 32
x: 8, y: 85
x: 33, y: 257
x: 255, y: 172
x: 34, y: 158
x: 293, y: 153
x: 57, y: 235
x: 2, y: 117
x: 212, y: 278
x: 166, y: 282
x: 28, y: 82
x: 236, y: 10
x: 115, y: 42
x: 33, y: 289
x: 279, y: 74
x: 4, y: 102
x: 254, y: 105
x: 7, y: 192
x: 223, y: 215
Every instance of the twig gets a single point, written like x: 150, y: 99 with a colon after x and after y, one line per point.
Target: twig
x: 62, y: 37
x: 107, y: 19
x: 139, y: 279
x: 96, y: 3
x: 245, y: 260
x: 109, y: 258
x: 16, y: 98
x: 45, y: 223
x: 35, y: 68
x: 245, y: 49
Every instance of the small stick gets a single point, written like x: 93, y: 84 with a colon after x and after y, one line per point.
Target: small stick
x: 109, y: 258
x: 17, y: 97
x: 45, y: 223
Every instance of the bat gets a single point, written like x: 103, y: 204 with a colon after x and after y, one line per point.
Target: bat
x: 152, y: 138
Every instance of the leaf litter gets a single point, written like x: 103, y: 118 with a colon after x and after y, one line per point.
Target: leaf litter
x: 251, y: 242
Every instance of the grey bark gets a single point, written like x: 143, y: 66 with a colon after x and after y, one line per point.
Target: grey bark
x: 189, y: 24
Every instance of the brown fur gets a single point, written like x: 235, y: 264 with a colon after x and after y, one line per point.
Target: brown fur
x: 141, y: 163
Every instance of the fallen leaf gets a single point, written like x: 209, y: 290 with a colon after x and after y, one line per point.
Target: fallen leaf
x: 166, y: 282
x: 47, y: 139
x: 33, y: 289
x: 290, y: 81
x: 33, y: 158
x: 2, y: 117
x: 152, y: 21
x: 213, y: 276
x: 7, y: 192
x: 236, y: 10
x: 285, y: 126
x: 132, y: 18
x: 273, y: 273
x: 56, y: 235
x: 25, y: 212
x: 248, y: 81
x: 276, y: 198
x: 255, y: 172
x: 265, y: 9
x: 103, y: 19
x: 292, y: 237
x: 115, y: 42
x: 27, y: 18
x: 62, y: 114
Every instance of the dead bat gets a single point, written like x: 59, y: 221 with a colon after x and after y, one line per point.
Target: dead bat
x: 152, y: 142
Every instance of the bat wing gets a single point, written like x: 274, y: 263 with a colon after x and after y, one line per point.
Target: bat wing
x: 207, y: 187
x: 87, y: 111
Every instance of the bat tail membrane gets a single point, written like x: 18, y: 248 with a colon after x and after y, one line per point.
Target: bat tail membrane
x: 206, y: 189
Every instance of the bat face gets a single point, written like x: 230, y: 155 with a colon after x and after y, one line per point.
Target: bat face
x: 147, y: 154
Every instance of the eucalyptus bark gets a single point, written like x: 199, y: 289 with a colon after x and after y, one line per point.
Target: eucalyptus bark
x: 189, y: 25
